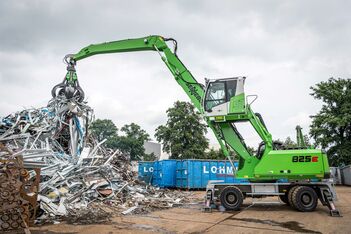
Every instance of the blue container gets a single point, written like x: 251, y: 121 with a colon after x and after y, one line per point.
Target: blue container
x: 195, y: 174
x: 164, y: 174
x: 145, y: 171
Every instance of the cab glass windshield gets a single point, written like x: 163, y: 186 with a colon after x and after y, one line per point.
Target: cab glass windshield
x: 215, y: 95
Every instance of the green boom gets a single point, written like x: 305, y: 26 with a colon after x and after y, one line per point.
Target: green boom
x: 182, y: 75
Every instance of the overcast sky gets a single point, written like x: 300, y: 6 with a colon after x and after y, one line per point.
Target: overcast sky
x: 283, y: 47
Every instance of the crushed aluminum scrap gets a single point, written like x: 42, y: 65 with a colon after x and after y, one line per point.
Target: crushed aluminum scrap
x: 80, y: 178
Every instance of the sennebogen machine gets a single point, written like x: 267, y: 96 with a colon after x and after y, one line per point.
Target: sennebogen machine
x: 298, y: 176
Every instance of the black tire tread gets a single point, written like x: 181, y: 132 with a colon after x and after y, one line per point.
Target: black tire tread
x: 297, y: 206
x: 290, y: 193
x: 241, y: 197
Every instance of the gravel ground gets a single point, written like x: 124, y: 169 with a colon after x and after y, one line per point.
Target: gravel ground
x: 258, y: 218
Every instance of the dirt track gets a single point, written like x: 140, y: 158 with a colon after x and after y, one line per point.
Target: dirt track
x: 258, y: 218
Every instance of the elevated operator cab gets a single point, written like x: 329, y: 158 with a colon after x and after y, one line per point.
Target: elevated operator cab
x: 224, y: 97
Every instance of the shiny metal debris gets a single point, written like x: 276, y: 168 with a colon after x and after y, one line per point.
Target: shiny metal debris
x: 80, y: 179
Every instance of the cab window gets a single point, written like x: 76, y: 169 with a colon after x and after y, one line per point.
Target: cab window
x: 231, y: 88
x: 215, y: 95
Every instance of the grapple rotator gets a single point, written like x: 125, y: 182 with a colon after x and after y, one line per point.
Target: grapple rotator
x: 69, y: 87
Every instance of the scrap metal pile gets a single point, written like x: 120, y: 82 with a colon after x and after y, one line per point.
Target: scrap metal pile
x: 79, y: 177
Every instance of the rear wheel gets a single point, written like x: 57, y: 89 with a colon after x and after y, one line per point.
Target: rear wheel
x: 304, y: 199
x: 231, y: 198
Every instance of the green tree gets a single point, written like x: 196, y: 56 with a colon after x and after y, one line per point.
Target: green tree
x: 251, y: 150
x: 132, y: 142
x: 331, y: 126
x: 219, y: 155
x: 104, y: 129
x: 306, y: 139
x: 289, y: 143
x: 215, y: 154
x: 149, y: 157
x: 183, y: 136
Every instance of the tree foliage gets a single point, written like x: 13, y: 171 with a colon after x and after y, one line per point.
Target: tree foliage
x: 219, y: 155
x: 215, y: 154
x: 331, y: 126
x: 251, y: 150
x: 131, y: 142
x: 103, y: 129
x: 183, y: 136
x: 290, y: 143
x: 149, y: 157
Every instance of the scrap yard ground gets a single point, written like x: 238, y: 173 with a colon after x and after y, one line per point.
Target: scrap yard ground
x: 259, y: 218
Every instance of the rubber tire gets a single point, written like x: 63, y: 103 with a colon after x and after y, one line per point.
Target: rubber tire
x: 284, y: 198
x: 297, y: 199
x: 233, y: 191
x: 290, y: 195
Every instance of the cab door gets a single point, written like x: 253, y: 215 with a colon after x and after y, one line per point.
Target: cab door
x: 236, y: 96
x: 215, y: 99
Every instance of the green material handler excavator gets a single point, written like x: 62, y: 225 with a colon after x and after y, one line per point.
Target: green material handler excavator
x: 299, y: 176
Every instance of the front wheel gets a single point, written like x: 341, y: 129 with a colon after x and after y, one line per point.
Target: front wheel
x: 304, y: 199
x: 231, y: 198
